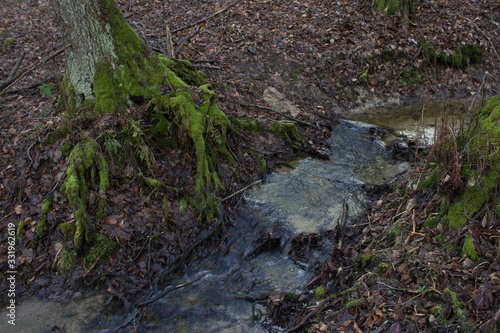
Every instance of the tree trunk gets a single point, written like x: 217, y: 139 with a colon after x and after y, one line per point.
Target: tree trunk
x: 108, y: 65
x: 393, y: 6
x: 110, y: 68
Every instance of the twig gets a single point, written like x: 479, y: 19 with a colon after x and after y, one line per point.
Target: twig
x: 93, y: 266
x: 28, y: 153
x: 170, y: 289
x: 185, y: 41
x: 485, y: 35
x: 207, y: 67
x: 318, y: 309
x: 170, y: 45
x: 129, y: 319
x: 31, y: 69
x: 242, y: 190
x: 14, y: 70
x: 409, y: 64
x: 207, y: 18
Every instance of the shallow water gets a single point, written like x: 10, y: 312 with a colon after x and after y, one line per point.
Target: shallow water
x: 303, y: 196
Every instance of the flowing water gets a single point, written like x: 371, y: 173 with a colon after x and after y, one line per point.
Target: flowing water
x: 302, y: 196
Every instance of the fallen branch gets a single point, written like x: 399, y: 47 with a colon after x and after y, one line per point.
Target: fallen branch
x: 14, y: 71
x: 282, y: 114
x: 170, y: 289
x: 242, y: 190
x: 30, y: 69
x: 314, y: 312
x: 185, y: 41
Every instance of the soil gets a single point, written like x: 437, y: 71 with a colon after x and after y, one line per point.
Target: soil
x: 327, y: 58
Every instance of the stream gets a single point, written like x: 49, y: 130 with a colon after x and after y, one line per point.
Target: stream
x: 302, y: 196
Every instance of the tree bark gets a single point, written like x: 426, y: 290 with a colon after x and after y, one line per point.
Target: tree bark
x: 393, y: 6
x: 107, y: 63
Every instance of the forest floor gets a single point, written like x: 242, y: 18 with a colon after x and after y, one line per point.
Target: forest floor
x: 327, y: 58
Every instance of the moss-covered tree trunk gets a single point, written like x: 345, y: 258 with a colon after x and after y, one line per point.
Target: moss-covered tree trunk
x: 108, y: 65
x: 110, y: 68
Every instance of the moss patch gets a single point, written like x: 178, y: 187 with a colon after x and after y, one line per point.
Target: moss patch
x: 289, y: 133
x: 249, y: 125
x: 66, y: 261
x: 469, y: 249
x: 319, y: 292
x: 101, y: 250
x: 67, y: 228
x: 40, y: 227
x: 460, y: 57
x: 482, y: 145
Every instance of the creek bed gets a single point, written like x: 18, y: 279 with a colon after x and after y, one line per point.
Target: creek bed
x: 301, y: 197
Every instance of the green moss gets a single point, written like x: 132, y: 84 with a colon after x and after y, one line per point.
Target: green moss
x: 67, y: 228
x: 439, y: 239
x: 183, y: 204
x: 83, y: 157
x: 396, y: 229
x: 461, y: 56
x: 457, y: 306
x: 411, y: 76
x: 185, y: 71
x: 382, y: 268
x: 66, y: 261
x: 391, y: 6
x: 40, y: 227
x: 431, y: 222
x: 353, y: 303
x: 366, y: 261
x: 428, y: 51
x: 151, y: 181
x: 200, y: 122
x: 66, y: 149
x: 482, y: 144
x: 319, y: 292
x: 469, y: 249
x: 101, y: 250
x: 437, y: 311
x: 7, y: 44
x: 289, y: 133
x: 262, y: 162
x: 19, y: 229
x: 432, y: 181
x: 249, y: 125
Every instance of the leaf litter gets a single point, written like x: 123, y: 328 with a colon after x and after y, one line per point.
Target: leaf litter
x: 315, y: 52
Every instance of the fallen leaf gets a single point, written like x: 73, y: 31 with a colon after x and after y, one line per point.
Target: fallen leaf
x: 58, y: 247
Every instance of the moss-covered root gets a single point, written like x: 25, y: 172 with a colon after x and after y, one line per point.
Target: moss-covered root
x: 289, y: 133
x: 40, y: 227
x: 202, y: 125
x: 85, y: 157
